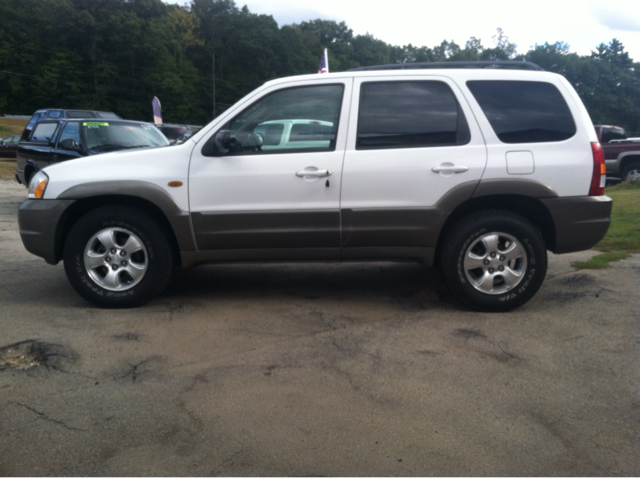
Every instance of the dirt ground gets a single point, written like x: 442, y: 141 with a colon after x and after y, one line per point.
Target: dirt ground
x: 316, y: 369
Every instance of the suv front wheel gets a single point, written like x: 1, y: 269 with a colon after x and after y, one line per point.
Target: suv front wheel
x: 117, y: 256
x: 493, y: 261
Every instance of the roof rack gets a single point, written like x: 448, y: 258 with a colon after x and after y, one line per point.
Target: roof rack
x: 521, y: 65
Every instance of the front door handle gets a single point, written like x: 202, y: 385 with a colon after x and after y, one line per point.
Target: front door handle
x: 449, y: 169
x: 313, y: 173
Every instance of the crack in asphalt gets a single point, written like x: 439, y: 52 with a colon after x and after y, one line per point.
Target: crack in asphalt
x: 133, y: 372
x: 44, y: 416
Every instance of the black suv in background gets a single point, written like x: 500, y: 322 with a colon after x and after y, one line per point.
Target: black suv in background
x: 176, y: 133
x: 53, y: 141
x: 60, y: 114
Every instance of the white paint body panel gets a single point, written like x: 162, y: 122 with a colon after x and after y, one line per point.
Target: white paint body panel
x: 403, y: 177
x: 268, y: 182
x: 360, y: 179
x: 157, y: 166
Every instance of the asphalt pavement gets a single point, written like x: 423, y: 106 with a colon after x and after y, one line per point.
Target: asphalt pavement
x: 316, y: 369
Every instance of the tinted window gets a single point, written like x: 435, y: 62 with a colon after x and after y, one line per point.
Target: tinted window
x: 32, y: 121
x: 54, y: 114
x: 409, y: 114
x: 609, y: 134
x: 271, y: 133
x: 524, y: 111
x: 70, y: 131
x: 44, y: 132
x: 311, y: 131
x: 108, y: 115
x: 80, y: 114
x: 295, y: 119
x: 102, y: 136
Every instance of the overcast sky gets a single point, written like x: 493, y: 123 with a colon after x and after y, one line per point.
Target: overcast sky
x: 582, y: 24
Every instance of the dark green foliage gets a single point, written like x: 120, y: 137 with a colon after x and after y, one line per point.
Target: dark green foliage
x: 117, y: 55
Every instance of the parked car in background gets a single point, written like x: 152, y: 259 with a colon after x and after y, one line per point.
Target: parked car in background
x: 9, y: 146
x: 60, y: 114
x: 53, y: 141
x: 621, y: 154
x: 175, y: 133
x: 295, y: 133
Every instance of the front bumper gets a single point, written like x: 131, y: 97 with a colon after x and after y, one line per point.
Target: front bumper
x: 40, y: 223
x: 580, y: 222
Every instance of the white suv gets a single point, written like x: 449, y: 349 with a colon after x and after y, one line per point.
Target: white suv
x: 477, y: 171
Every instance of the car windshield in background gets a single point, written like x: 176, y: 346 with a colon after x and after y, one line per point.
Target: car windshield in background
x: 108, y: 135
x: 176, y: 132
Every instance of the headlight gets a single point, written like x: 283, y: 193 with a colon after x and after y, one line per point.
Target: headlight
x: 37, y: 185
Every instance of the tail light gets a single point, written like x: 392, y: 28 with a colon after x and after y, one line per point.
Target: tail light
x: 599, y: 178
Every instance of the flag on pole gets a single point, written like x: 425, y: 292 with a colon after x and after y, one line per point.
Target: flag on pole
x: 157, y: 111
x: 324, y: 63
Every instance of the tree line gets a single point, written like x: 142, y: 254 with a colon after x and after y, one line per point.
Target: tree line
x: 116, y: 55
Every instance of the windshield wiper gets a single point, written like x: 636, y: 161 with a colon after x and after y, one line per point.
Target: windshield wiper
x: 106, y: 146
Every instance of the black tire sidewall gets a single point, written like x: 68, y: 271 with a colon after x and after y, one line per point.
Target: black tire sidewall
x: 470, y: 229
x: 628, y: 169
x: 159, y: 256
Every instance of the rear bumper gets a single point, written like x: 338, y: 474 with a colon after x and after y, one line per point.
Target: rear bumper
x: 38, y: 220
x: 580, y: 222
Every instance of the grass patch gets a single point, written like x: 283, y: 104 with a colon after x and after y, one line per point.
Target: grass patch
x: 10, y: 126
x: 623, y: 237
x: 624, y: 232
x: 7, y: 169
x: 601, y: 261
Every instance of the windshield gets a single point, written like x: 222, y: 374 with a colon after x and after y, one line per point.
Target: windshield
x: 108, y: 135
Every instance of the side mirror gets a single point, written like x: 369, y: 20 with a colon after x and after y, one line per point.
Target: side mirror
x: 218, y: 145
x: 70, y: 145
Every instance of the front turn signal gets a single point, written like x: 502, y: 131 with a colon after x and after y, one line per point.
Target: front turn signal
x: 38, y: 185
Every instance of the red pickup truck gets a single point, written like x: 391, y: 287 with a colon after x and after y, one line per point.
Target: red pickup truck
x: 621, y: 154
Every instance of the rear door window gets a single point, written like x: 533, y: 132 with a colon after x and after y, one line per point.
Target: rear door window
x: 409, y: 114
x: 524, y: 111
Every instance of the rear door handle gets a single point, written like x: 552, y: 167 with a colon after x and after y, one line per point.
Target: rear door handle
x: 449, y: 169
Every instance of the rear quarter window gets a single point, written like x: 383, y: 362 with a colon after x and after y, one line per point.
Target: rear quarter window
x: 108, y: 115
x: 524, y: 111
x: 44, y: 132
x: 80, y: 114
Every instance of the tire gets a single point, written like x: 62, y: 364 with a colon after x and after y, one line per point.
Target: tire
x: 118, y: 257
x: 493, y: 261
x: 28, y: 174
x: 631, y: 173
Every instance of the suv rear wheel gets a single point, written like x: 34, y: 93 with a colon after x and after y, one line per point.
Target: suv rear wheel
x: 631, y: 173
x: 493, y: 261
x: 117, y: 256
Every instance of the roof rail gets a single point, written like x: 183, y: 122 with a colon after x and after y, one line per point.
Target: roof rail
x: 523, y: 65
